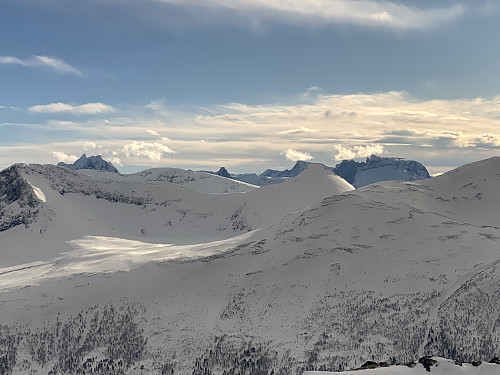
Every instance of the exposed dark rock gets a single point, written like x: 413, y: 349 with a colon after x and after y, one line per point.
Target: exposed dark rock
x: 223, y: 173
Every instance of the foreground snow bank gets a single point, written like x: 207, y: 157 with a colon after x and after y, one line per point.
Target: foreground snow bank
x: 434, y: 365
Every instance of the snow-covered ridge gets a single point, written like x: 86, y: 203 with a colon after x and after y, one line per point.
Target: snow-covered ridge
x: 199, y: 181
x: 155, y: 206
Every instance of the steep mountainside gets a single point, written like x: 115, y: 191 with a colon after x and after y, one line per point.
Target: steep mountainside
x: 389, y: 272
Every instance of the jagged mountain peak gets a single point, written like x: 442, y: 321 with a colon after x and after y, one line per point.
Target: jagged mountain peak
x: 223, y: 172
x: 92, y: 162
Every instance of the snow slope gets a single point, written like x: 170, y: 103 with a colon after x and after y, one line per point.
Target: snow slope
x: 154, y: 206
x: 380, y: 273
x: 199, y: 181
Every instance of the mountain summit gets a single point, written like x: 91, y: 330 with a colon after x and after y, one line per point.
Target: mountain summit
x: 376, y: 169
x: 91, y: 162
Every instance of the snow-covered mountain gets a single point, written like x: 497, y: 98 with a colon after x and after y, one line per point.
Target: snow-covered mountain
x: 376, y: 169
x: 50, y: 206
x: 255, y: 179
x: 335, y: 277
x: 91, y: 162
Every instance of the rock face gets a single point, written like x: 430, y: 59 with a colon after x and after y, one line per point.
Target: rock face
x: 376, y: 169
x: 18, y: 202
x: 92, y: 162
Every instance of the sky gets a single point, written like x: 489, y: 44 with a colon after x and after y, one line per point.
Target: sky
x: 249, y: 84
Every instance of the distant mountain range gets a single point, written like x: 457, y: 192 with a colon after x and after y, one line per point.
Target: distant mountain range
x: 358, y: 174
x: 374, y: 169
x: 180, y: 272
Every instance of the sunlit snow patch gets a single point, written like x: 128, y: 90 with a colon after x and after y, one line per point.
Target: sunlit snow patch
x: 97, y: 254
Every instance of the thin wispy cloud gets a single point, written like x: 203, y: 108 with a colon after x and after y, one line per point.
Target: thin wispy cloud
x: 53, y: 63
x: 359, y: 12
x: 84, y: 109
x: 299, y: 130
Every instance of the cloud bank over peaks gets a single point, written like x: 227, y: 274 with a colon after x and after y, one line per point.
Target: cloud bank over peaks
x: 247, y: 138
x: 54, y: 63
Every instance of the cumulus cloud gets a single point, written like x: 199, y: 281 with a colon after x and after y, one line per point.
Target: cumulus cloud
x: 53, y: 63
x: 90, y: 146
x: 84, y: 109
x: 152, y: 150
x: 295, y: 155
x: 358, y: 151
x: 383, y: 13
x: 62, y: 156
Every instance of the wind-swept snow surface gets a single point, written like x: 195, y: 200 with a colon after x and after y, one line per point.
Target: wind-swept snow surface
x: 334, y: 278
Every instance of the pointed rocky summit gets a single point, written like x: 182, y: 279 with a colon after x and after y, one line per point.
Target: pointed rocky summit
x: 92, y: 162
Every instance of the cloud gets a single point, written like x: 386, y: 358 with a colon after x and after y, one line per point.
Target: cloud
x: 153, y: 132
x: 440, y: 133
x: 299, y: 130
x: 115, y: 160
x: 155, y: 105
x: 89, y: 146
x: 84, y: 109
x: 358, y: 151
x: 65, y: 158
x: 374, y: 13
x: 53, y: 63
x: 295, y: 155
x: 311, y: 92
x: 152, y: 150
